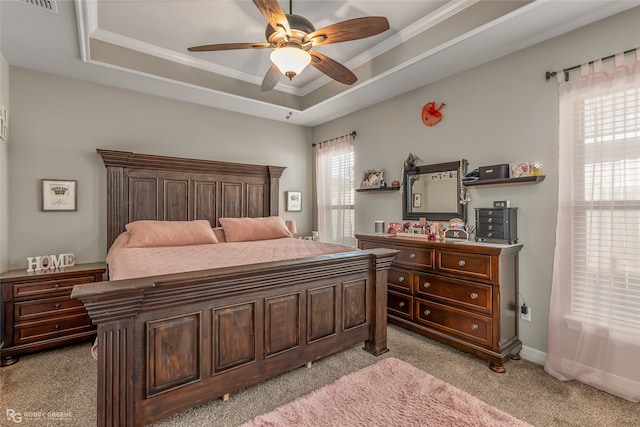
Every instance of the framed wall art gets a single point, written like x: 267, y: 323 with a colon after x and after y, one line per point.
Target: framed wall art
x: 372, y: 178
x: 294, y: 201
x: 59, y: 195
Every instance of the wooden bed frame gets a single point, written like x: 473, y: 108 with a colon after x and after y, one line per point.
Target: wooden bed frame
x: 168, y: 343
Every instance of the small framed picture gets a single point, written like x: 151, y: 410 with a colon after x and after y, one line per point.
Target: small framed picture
x: 372, y: 178
x: 294, y: 201
x: 417, y: 200
x: 59, y: 195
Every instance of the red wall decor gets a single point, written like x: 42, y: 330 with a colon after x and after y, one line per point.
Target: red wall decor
x: 431, y: 114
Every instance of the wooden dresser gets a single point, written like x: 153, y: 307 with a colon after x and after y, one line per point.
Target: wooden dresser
x: 39, y: 312
x: 461, y: 294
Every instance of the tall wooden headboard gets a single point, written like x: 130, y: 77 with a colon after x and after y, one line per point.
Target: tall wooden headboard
x: 143, y: 186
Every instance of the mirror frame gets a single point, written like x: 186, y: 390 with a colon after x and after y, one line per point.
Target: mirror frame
x: 461, y: 212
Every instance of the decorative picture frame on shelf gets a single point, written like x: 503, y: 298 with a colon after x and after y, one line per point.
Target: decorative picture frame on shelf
x: 372, y: 178
x: 59, y: 195
x: 294, y: 201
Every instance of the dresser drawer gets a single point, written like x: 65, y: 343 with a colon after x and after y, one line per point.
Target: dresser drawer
x: 420, y: 257
x: 459, y: 293
x: 400, y: 305
x: 490, y: 215
x: 400, y: 278
x: 364, y: 245
x: 53, y: 328
x: 465, y: 265
x: 37, y: 309
x: 49, y: 287
x: 471, y: 327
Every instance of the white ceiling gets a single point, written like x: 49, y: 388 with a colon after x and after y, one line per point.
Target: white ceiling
x: 142, y: 45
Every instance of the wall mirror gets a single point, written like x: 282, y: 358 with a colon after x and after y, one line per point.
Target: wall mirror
x: 434, y: 192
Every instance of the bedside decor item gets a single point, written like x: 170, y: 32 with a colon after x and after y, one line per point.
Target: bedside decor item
x: 502, y: 203
x: 59, y: 195
x: 456, y: 233
x: 378, y: 226
x: 431, y: 114
x: 294, y: 201
x: 372, y: 178
x: 50, y: 262
x: 498, y: 225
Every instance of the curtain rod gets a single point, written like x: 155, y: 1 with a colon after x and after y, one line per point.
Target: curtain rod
x: 550, y: 74
x: 353, y: 135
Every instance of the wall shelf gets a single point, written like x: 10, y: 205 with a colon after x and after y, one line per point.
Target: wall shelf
x: 396, y: 188
x: 507, y: 181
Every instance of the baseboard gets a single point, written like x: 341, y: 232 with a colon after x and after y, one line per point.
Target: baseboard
x: 533, y: 355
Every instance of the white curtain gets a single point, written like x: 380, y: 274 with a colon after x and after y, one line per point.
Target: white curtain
x: 336, y: 191
x: 594, y: 321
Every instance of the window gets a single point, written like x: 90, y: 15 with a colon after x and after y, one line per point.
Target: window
x: 606, y: 208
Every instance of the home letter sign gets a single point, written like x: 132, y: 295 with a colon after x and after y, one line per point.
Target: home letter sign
x: 50, y: 262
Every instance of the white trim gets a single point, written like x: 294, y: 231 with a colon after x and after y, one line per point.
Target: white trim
x: 597, y: 378
x: 533, y: 355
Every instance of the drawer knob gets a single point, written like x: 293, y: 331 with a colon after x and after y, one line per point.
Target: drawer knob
x: 427, y: 284
x: 401, y: 279
x: 489, y: 234
x: 461, y: 263
x: 474, y: 326
x: 56, y: 305
x: 490, y: 227
x: 401, y: 304
x: 412, y: 256
x: 57, y: 285
x: 427, y: 312
x: 489, y: 212
x: 474, y: 295
x: 56, y: 327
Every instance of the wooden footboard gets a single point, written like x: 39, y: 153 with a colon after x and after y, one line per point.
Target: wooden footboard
x: 168, y: 343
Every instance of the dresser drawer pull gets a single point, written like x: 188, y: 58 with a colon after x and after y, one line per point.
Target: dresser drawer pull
x: 489, y: 212
x: 56, y: 327
x: 427, y: 284
x: 56, y: 305
x: 427, y: 312
x: 401, y: 304
x: 489, y: 234
x: 412, y: 256
x: 57, y: 285
x: 474, y: 327
x: 461, y: 263
x: 490, y: 227
x: 490, y: 220
x: 401, y: 279
x: 474, y: 295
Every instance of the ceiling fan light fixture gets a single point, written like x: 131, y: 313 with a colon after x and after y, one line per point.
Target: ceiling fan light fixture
x: 290, y: 60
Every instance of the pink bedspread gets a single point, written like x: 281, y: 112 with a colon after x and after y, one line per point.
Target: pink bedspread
x: 129, y: 263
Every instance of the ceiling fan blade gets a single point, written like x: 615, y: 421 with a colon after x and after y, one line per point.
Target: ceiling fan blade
x: 271, y: 79
x: 333, y: 69
x: 227, y: 46
x: 351, y: 29
x: 274, y: 14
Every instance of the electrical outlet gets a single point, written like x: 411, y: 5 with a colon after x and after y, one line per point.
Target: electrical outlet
x: 525, y: 313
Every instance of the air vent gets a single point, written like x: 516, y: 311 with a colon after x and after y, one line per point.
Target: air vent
x: 49, y: 5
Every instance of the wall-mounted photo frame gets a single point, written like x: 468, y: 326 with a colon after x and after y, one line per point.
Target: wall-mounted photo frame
x: 294, y: 201
x: 372, y: 178
x: 59, y: 195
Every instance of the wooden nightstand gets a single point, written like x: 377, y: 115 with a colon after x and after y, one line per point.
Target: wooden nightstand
x: 40, y: 314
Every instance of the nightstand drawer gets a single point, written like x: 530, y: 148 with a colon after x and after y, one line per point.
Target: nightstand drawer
x: 466, y: 295
x: 37, y: 309
x: 48, y: 287
x: 400, y: 278
x: 472, y: 327
x: 399, y: 304
x: 39, y: 331
x: 463, y: 264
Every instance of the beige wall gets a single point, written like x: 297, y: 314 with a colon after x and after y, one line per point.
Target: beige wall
x: 501, y: 112
x: 58, y: 123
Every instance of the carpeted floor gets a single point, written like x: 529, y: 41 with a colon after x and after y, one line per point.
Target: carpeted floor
x: 62, y: 382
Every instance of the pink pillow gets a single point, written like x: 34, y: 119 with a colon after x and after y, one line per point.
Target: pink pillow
x: 144, y: 234
x: 244, y: 229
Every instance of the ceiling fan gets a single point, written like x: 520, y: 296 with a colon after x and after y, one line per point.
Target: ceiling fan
x: 292, y: 37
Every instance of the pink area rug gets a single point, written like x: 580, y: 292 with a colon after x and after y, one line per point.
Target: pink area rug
x: 388, y: 393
